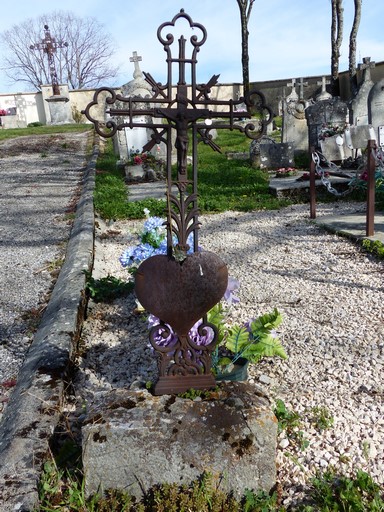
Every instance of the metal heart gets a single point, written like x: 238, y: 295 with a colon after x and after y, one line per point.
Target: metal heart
x: 181, y: 293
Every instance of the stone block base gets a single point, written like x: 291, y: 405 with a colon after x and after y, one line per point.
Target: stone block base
x: 133, y: 440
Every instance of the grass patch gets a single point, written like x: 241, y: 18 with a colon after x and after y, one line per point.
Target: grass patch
x: 12, y: 133
x: 222, y: 184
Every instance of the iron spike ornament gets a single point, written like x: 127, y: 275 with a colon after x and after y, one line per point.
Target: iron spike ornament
x: 181, y: 287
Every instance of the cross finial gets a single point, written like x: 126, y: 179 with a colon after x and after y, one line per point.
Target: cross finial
x: 292, y: 83
x: 293, y: 95
x: 324, y: 95
x: 136, y: 59
x: 302, y: 84
x: 366, y: 67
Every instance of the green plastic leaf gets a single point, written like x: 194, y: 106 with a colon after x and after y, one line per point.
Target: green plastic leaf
x: 238, y: 339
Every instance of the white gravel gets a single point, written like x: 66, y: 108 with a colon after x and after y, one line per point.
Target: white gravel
x: 40, y: 176
x: 331, y: 296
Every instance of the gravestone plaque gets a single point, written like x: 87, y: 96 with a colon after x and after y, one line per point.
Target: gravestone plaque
x: 331, y: 112
x: 359, y: 104
x: 274, y: 155
x: 335, y: 148
x: 357, y: 137
x: 376, y: 106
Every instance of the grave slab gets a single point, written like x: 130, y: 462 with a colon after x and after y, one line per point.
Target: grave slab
x: 133, y: 440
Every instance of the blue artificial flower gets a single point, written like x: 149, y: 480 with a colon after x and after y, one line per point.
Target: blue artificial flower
x: 153, y: 223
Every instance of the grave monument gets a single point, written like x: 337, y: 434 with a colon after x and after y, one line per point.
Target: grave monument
x: 295, y: 131
x: 376, y: 110
x: 161, y: 283
x: 59, y: 109
x: 168, y: 438
x: 359, y: 104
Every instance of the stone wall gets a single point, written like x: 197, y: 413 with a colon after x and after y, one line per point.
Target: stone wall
x: 31, y: 107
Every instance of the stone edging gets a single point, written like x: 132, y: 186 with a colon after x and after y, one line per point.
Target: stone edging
x: 35, y: 404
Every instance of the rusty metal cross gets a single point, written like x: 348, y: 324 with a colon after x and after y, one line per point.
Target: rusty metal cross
x: 186, y: 110
x: 49, y: 46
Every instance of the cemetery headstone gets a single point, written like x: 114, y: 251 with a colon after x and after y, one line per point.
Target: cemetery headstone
x: 376, y: 108
x: 276, y: 155
x: 295, y: 131
x: 329, y: 113
x: 359, y: 104
x: 266, y: 153
x: 130, y: 141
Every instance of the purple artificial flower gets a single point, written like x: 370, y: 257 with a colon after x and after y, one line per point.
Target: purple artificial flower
x: 198, y: 339
x: 229, y: 296
x: 169, y: 341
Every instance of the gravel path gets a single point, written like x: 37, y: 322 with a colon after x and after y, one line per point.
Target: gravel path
x: 331, y: 296
x: 40, y: 179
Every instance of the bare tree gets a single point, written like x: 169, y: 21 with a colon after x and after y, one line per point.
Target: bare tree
x: 336, y: 41
x: 352, y: 48
x: 85, y: 62
x: 245, y: 7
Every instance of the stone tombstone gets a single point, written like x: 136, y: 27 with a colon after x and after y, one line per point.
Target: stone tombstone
x: 329, y: 112
x: 376, y: 108
x: 359, y: 104
x: 131, y: 140
x: 295, y: 129
x: 266, y: 153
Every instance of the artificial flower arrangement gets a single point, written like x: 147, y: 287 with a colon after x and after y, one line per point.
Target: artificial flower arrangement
x: 138, y: 158
x: 251, y: 341
x: 328, y: 130
x: 284, y: 172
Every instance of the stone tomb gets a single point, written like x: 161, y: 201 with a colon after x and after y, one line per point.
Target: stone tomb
x: 329, y: 112
x: 359, y: 104
x: 133, y: 440
x: 295, y: 130
x: 376, y: 109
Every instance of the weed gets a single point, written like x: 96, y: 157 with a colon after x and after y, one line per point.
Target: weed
x: 107, y: 288
x: 290, y: 422
x: 374, y: 247
x: 287, y: 420
x: 334, y: 493
x: 321, y: 417
x: 191, y: 394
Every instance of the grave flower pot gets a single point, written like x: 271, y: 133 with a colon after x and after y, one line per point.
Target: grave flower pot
x: 238, y: 373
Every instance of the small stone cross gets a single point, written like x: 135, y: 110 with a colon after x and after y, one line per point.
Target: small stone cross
x: 293, y: 94
x: 302, y: 84
x: 324, y: 94
x: 292, y: 83
x: 366, y: 67
x: 136, y: 59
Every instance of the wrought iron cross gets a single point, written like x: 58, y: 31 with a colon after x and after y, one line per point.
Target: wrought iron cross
x: 49, y: 46
x: 180, y: 288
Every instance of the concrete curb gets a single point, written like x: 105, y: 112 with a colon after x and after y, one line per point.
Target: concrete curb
x: 35, y: 404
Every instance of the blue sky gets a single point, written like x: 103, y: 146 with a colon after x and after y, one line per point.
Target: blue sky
x: 287, y: 39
